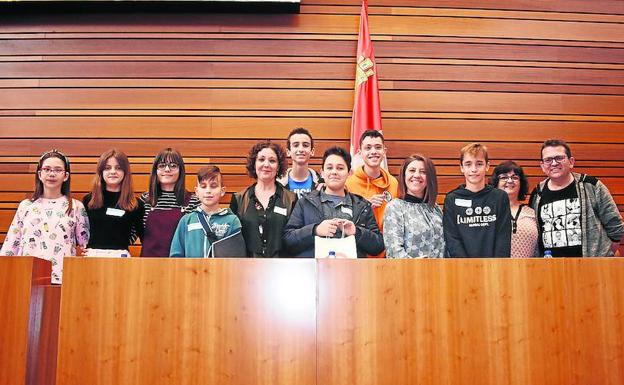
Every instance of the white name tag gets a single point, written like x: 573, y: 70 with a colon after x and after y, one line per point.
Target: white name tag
x: 115, y: 212
x: 346, y: 210
x: 194, y: 226
x: 463, y: 202
x: 280, y: 210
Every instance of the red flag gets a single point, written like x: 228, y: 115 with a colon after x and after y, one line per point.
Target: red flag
x: 366, y: 109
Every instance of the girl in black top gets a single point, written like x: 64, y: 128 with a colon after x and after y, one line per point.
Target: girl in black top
x: 115, y: 215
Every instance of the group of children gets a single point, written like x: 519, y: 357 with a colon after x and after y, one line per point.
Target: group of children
x: 289, y: 207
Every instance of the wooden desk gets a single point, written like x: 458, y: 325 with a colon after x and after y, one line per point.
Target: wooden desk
x: 466, y: 321
x: 342, y: 322
x: 187, y: 321
x: 29, y: 321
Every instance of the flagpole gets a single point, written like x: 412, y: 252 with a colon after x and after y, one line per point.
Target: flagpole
x: 366, y: 107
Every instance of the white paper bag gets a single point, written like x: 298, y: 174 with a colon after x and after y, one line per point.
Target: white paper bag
x: 343, y: 247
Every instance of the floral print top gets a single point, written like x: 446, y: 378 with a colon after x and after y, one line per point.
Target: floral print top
x: 525, y: 234
x: 413, y: 230
x: 43, y: 229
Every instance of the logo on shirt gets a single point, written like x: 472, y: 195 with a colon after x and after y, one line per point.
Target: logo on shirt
x: 477, y: 217
x: 220, y: 229
x: 562, y: 223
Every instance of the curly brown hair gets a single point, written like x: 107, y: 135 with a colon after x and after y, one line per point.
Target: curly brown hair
x: 253, y: 155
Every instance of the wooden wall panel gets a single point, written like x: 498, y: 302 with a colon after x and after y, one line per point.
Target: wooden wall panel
x: 339, y: 24
x: 208, y: 68
x: 453, y: 71
x: 597, y: 6
x: 285, y: 48
x: 308, y: 100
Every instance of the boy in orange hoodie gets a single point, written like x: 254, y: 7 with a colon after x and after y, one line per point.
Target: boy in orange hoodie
x: 371, y: 180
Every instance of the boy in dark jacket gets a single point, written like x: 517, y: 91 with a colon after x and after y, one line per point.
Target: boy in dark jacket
x: 328, y: 212
x: 477, y: 218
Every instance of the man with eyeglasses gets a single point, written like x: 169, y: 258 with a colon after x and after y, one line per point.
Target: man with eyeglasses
x: 577, y: 215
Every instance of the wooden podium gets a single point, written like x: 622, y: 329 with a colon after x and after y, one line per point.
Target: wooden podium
x: 471, y: 321
x: 29, y: 308
x: 342, y: 322
x: 187, y: 321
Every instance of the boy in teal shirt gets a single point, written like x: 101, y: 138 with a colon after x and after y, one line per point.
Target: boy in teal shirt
x: 209, y: 231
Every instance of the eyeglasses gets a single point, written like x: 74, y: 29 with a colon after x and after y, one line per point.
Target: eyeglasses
x: 514, y: 178
x: 172, y: 166
x: 551, y: 159
x: 48, y: 170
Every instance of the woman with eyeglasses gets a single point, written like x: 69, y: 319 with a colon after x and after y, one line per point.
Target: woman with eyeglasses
x: 50, y: 224
x: 264, y: 207
x: 509, y: 177
x: 115, y: 215
x: 166, y: 201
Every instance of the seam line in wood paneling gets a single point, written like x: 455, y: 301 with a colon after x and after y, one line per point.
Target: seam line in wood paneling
x: 448, y: 16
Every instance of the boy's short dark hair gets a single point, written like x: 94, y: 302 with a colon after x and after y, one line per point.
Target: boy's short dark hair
x: 209, y: 173
x: 299, y: 130
x: 556, y: 143
x: 371, y: 134
x: 473, y: 149
x: 341, y: 152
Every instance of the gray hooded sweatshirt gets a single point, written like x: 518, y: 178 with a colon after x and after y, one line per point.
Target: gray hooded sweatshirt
x: 601, y: 222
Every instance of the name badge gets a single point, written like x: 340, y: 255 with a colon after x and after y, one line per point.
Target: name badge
x: 115, y: 212
x: 280, y: 210
x: 463, y: 202
x: 194, y: 226
x: 346, y: 210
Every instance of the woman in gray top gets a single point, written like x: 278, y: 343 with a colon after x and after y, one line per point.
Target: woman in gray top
x: 413, y: 222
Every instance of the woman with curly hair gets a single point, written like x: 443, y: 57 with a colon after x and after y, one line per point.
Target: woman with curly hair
x: 264, y: 207
x: 509, y: 177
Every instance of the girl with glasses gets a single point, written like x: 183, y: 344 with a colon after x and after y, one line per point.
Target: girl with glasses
x: 50, y: 224
x: 166, y: 201
x: 115, y: 215
x: 509, y: 177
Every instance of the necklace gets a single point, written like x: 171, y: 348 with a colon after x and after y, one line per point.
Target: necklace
x: 514, y: 220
